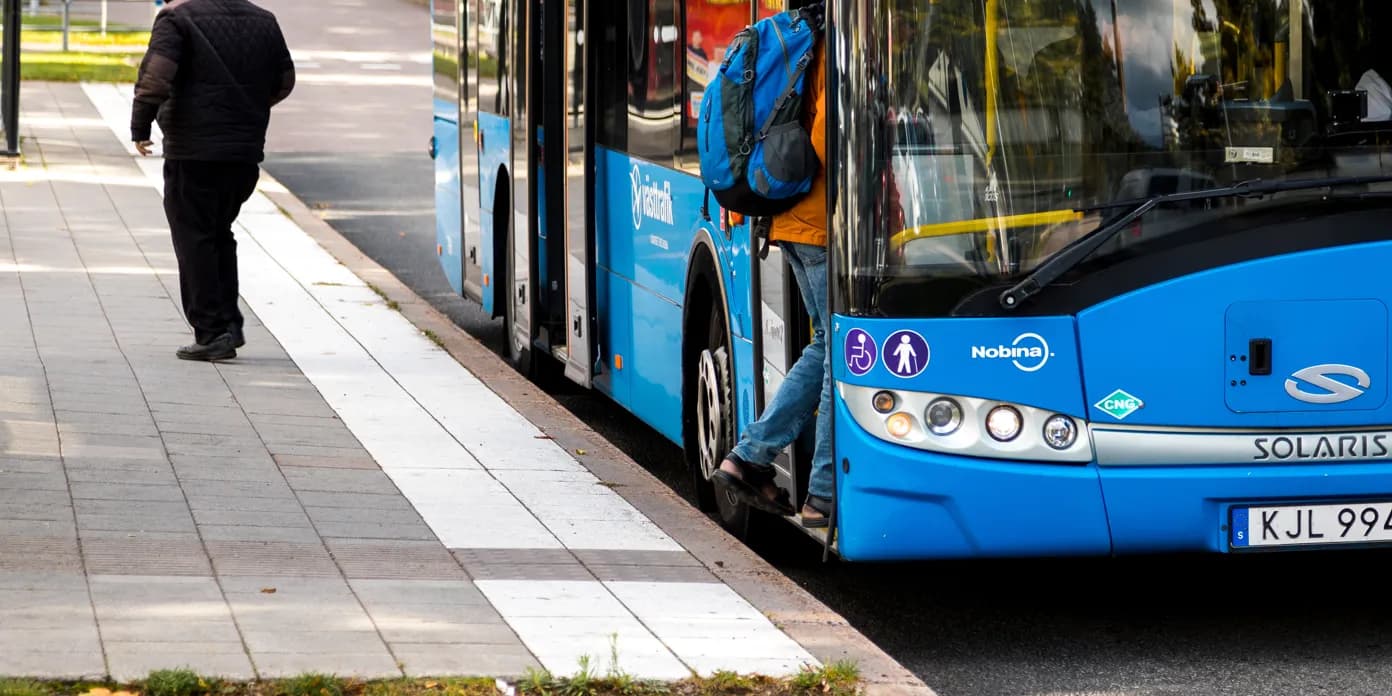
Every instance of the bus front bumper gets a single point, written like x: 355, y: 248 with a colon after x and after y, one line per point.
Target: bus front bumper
x: 898, y: 503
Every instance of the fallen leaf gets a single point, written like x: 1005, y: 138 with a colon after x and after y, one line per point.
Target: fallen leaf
x: 98, y: 692
x: 580, y: 452
x: 431, y: 684
x: 542, y: 437
x: 265, y: 590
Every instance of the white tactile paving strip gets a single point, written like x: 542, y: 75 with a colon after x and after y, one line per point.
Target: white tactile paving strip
x: 481, y: 475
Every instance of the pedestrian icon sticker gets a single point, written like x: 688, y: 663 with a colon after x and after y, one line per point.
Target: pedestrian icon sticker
x: 906, y: 354
x: 861, y: 352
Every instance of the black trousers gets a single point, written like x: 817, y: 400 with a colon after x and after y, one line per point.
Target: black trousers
x: 201, y: 201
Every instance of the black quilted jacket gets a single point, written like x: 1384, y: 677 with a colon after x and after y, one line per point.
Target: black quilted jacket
x: 212, y: 73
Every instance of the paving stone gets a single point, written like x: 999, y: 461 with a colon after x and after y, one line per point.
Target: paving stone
x: 294, y: 518
x: 38, y: 529
x: 617, y: 557
x: 237, y: 489
x: 300, y: 535
x: 505, y: 661
x: 199, y: 503
x: 47, y: 481
x: 185, y: 630
x: 317, y: 641
x: 417, y: 531
x: 341, y: 480
x: 639, y: 573
x: 144, y: 555
x: 373, y: 665
x: 71, y: 636
x: 134, y: 661
x: 258, y: 558
x: 405, y: 515
x: 405, y: 560
x: 336, y: 462
x: 357, y: 501
x: 53, y: 665
x: 127, y: 492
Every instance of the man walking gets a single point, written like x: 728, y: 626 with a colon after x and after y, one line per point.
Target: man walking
x: 802, y: 234
x: 213, y: 70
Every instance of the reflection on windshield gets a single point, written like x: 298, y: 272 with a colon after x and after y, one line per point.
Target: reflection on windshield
x: 993, y: 121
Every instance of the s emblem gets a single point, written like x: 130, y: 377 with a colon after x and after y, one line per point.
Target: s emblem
x: 1329, y: 390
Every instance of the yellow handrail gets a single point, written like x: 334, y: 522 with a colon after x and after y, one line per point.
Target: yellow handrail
x: 947, y: 229
x: 992, y: 77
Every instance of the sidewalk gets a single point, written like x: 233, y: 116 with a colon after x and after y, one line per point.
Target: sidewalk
x: 344, y: 497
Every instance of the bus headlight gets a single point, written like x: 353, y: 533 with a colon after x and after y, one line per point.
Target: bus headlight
x: 899, y: 425
x: 1060, y: 432
x: 885, y: 402
x: 967, y: 426
x: 1004, y: 423
x: 944, y: 417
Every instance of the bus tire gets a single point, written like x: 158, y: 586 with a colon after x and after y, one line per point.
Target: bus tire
x: 503, y: 235
x: 711, y: 435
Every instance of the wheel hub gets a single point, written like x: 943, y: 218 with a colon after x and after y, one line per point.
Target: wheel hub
x: 713, y: 409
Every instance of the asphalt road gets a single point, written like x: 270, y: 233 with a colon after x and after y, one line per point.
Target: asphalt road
x: 1249, y: 626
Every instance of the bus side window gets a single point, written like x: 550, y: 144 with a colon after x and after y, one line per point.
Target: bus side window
x: 492, y: 56
x: 610, y: 108
x: 654, y: 44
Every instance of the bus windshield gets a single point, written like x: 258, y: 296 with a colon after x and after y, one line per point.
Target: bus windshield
x: 981, y: 137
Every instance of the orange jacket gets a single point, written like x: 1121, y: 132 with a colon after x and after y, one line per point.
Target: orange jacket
x: 806, y: 223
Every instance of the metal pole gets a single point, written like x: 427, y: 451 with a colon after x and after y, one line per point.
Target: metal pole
x: 67, y: 4
x: 9, y: 77
x: 103, y: 17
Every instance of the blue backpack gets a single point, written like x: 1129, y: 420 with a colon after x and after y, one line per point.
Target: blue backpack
x: 756, y: 154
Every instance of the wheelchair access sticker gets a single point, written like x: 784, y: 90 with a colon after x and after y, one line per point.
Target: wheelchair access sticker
x: 861, y: 352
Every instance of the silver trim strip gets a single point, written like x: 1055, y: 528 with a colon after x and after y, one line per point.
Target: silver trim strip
x: 1151, y: 447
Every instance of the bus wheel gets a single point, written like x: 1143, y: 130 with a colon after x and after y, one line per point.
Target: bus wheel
x: 715, y: 423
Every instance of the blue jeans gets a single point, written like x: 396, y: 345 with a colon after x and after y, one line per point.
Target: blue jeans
x: 807, y: 388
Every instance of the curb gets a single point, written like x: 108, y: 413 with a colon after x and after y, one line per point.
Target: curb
x: 819, y: 629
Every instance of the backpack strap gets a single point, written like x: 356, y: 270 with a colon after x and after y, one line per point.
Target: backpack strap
x: 789, y: 95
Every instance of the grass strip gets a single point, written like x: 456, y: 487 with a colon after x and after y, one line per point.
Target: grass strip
x: 78, y: 39
x: 79, y: 67
x: 837, y: 679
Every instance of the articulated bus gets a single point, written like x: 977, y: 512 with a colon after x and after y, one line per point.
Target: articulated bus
x: 1106, y: 276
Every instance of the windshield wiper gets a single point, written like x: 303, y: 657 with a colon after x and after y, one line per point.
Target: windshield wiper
x: 1074, y: 254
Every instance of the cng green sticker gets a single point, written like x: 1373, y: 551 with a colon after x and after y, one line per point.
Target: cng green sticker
x: 1119, y: 404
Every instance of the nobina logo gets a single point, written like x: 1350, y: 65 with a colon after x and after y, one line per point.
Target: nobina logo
x: 1030, y: 352
x: 650, y: 201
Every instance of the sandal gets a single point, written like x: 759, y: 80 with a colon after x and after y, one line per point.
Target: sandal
x: 822, y: 505
x: 747, y: 487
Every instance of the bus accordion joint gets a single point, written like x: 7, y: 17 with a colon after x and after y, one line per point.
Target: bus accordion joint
x: 948, y: 229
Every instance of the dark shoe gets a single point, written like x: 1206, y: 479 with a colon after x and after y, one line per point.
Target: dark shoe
x: 816, y: 512
x: 749, y: 487
x: 220, y: 348
x: 238, y: 338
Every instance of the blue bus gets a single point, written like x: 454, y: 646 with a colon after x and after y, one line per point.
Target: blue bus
x: 1106, y: 275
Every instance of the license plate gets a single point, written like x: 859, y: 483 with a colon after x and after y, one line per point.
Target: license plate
x: 1311, y: 525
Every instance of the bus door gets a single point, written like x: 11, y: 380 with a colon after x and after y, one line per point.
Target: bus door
x: 785, y: 330
x: 568, y: 241
x: 468, y: 150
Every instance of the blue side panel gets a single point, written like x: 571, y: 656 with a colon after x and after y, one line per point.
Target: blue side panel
x: 1173, y: 345
x: 448, y: 217
x: 897, y: 504
x: 614, y: 297
x: 656, y: 371
x: 1026, y: 360
x: 1165, y: 509
x: 495, y: 143
x: 647, y: 220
